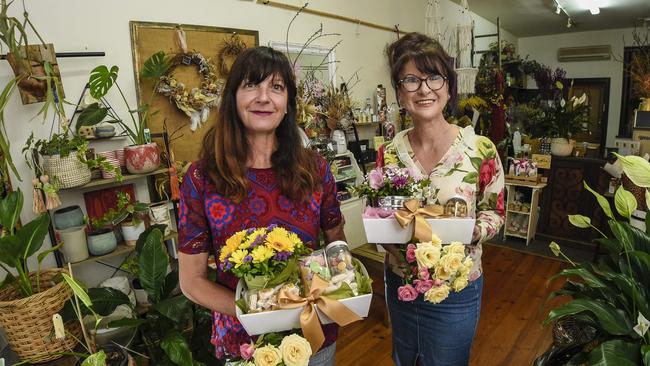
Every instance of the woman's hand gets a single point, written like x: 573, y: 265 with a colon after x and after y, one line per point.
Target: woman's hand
x: 195, y: 285
x: 476, y: 234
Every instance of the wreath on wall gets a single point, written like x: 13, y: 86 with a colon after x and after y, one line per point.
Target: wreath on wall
x: 231, y: 48
x: 196, y: 102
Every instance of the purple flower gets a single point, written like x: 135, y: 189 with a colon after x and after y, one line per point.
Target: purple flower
x: 282, y: 256
x: 228, y: 265
x: 271, y: 227
x: 258, y: 241
x: 247, y: 258
x: 376, y: 179
x: 399, y: 181
x: 250, y: 231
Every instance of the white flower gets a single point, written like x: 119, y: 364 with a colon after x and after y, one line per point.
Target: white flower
x: 562, y: 103
x: 642, y: 325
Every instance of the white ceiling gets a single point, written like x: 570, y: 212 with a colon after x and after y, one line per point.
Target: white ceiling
x: 526, y: 18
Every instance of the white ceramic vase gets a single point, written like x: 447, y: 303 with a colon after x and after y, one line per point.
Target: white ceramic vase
x: 75, y: 248
x: 561, y: 146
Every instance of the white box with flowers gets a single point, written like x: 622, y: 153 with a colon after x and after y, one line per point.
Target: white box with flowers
x: 388, y: 230
x: 286, y: 319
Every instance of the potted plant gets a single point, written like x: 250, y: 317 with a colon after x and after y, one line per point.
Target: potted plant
x: 142, y: 156
x: 610, y: 298
x: 29, y: 299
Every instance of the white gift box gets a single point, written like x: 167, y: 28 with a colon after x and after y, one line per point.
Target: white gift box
x: 389, y: 231
x: 286, y: 319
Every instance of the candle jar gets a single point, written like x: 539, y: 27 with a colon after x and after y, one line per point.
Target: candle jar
x: 339, y: 258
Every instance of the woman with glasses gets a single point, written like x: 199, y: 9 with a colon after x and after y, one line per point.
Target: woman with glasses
x: 460, y: 164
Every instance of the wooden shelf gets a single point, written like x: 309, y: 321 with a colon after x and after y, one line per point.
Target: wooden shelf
x: 127, y: 177
x: 122, y: 248
x: 520, y: 212
x: 518, y: 235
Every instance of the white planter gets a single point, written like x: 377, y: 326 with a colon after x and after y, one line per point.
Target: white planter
x: 159, y: 214
x: 131, y: 232
x: 561, y: 147
x: 389, y: 231
x: 75, y: 248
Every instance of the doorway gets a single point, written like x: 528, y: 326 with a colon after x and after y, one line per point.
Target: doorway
x: 597, y: 91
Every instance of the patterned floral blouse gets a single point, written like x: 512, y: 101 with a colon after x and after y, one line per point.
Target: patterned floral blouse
x: 470, y: 169
x: 207, y: 218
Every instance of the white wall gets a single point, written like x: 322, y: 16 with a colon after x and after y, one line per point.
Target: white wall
x: 544, y: 50
x: 93, y: 25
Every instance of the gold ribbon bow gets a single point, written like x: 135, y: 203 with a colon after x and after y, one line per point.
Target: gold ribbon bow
x: 309, y: 322
x: 412, y: 210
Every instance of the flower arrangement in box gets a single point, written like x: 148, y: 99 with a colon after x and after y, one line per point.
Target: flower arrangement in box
x: 434, y: 270
x: 275, y: 349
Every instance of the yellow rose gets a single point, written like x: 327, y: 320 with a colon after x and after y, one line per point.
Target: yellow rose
x: 238, y: 256
x: 261, y: 253
x: 435, y: 240
x: 436, y: 294
x: 267, y: 356
x: 427, y: 255
x: 460, y: 283
x: 455, y: 248
x: 295, y: 350
x: 441, y: 273
x: 468, y: 263
x: 452, y: 262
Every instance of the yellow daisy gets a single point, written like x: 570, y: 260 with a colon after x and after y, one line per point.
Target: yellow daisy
x: 238, y: 256
x: 279, y: 240
x: 261, y: 253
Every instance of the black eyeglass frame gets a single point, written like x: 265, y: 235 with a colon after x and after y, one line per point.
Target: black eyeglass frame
x: 401, y: 82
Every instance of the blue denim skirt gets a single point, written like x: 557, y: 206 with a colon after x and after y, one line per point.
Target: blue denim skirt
x: 429, y: 334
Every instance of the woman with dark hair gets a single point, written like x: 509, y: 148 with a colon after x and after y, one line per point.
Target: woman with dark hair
x: 459, y: 164
x: 253, y: 172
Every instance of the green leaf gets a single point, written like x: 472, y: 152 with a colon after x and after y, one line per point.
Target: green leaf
x: 177, y: 349
x: 615, y: 352
x: 143, y: 237
x: 101, y: 80
x: 156, y: 66
x: 609, y: 319
x: 171, y: 281
x: 590, y: 279
x: 91, y: 115
x: 471, y: 178
x: 10, y: 250
x: 42, y: 255
x: 10, y: 208
x: 476, y: 163
x: 640, y: 262
x: 645, y: 353
x: 105, y: 299
x: 580, y: 221
x: 127, y: 323
x: 602, y: 201
x: 96, y: 359
x: 32, y: 235
x: 175, y: 308
x: 78, y: 290
x: 636, y: 168
x: 153, y: 262
x: 625, y: 202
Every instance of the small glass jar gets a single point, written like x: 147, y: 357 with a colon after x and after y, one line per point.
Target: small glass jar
x: 456, y: 207
x: 339, y: 258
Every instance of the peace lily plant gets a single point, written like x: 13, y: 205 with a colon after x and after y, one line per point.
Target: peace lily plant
x: 612, y: 295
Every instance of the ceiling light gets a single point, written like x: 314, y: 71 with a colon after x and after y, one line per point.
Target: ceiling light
x: 569, y: 23
x: 594, y: 10
x: 558, y: 9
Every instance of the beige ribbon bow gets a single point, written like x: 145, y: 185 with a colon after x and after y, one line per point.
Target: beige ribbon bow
x: 412, y: 210
x: 309, y: 322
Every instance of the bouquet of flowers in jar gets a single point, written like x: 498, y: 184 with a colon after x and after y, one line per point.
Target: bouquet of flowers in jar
x: 274, y: 349
x: 266, y: 259
x: 434, y: 270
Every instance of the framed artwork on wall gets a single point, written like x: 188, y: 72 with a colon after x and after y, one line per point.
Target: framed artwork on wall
x: 199, y: 53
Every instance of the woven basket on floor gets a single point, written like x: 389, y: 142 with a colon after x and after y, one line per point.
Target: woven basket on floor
x: 27, y: 322
x: 638, y: 192
x: 69, y: 171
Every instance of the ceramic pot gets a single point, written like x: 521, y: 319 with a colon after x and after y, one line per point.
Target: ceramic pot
x: 75, y: 248
x: 67, y: 217
x: 159, y: 214
x: 131, y: 232
x: 561, y: 147
x: 141, y: 159
x: 104, y: 131
x: 101, y: 242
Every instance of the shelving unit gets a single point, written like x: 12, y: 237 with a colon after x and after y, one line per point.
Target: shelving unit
x: 529, y: 218
x: 349, y: 174
x: 109, y: 181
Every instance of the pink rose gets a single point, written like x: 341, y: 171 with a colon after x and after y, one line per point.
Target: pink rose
x: 423, y: 286
x: 424, y: 273
x: 486, y: 173
x: 407, y: 293
x: 376, y: 179
x: 410, y: 253
x: 246, y: 350
x: 438, y: 282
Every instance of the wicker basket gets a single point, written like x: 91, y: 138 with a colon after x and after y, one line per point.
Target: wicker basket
x: 638, y: 192
x: 69, y: 171
x: 27, y: 322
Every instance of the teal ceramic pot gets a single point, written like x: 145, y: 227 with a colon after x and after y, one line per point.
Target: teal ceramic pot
x: 104, y: 131
x: 67, y: 217
x: 101, y: 242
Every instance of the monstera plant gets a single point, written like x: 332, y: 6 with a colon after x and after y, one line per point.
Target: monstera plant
x: 611, y: 297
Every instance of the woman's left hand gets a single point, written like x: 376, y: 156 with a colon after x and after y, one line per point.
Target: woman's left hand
x: 476, y: 234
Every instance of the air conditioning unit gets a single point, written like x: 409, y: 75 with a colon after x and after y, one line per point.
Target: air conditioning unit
x: 585, y: 53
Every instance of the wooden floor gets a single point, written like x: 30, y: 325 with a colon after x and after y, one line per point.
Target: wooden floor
x: 510, y: 330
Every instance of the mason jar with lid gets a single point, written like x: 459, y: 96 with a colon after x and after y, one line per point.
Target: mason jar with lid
x: 339, y: 258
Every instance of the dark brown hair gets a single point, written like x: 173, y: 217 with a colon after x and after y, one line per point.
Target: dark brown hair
x: 429, y: 58
x: 225, y: 147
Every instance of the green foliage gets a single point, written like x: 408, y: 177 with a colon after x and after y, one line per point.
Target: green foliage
x: 613, y: 294
x: 126, y: 209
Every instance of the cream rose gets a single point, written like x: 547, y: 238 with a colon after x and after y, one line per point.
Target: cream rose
x: 295, y: 350
x: 436, y: 294
x: 452, y: 262
x: 267, y: 356
x: 460, y: 283
x: 427, y: 255
x: 435, y: 240
x: 455, y: 248
x: 441, y: 273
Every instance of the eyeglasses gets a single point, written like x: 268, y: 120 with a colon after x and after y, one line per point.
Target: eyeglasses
x: 412, y: 83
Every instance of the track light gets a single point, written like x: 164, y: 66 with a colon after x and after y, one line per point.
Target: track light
x: 558, y: 9
x: 594, y: 10
x: 569, y: 23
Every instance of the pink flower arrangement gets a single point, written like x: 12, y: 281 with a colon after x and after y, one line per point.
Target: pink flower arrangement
x: 391, y: 180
